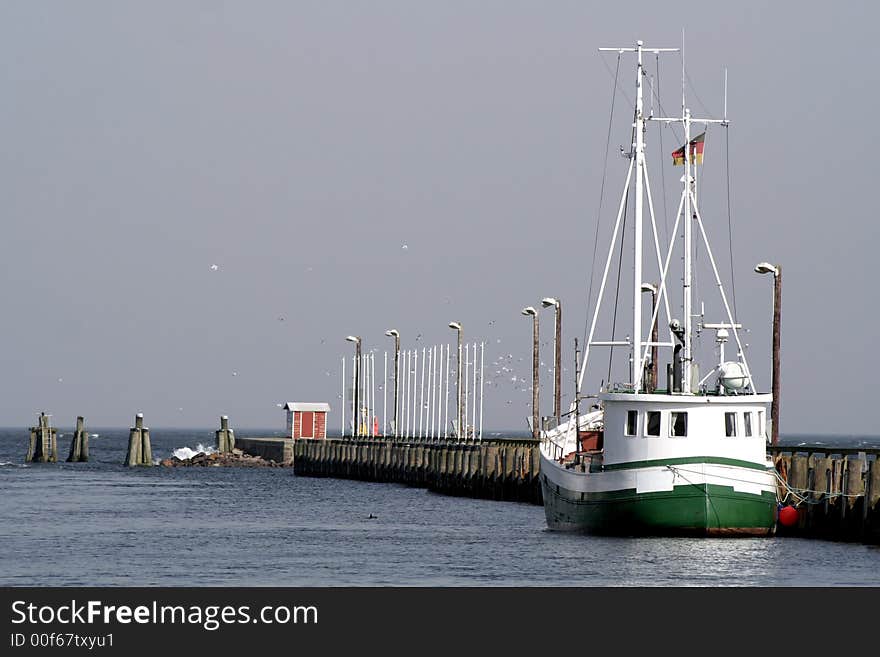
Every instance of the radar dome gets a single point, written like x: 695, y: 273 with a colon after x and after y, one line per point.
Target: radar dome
x: 732, y: 376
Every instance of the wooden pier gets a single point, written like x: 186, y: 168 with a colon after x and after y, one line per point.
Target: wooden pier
x: 498, y: 469
x: 835, y: 491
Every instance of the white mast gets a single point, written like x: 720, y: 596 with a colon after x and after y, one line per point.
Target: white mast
x: 637, y: 265
x: 687, y: 356
x: 638, y: 161
x: 688, y: 213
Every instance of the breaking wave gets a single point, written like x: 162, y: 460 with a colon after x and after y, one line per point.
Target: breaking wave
x: 184, y: 453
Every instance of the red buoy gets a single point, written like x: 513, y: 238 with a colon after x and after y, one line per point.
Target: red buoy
x: 788, y: 516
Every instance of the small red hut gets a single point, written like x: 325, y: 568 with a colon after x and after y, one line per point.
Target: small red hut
x: 306, y: 420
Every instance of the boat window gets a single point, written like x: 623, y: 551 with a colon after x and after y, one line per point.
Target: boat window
x: 678, y: 425
x: 747, y: 425
x: 730, y: 425
x: 632, y: 421
x: 761, y: 429
x: 652, y: 423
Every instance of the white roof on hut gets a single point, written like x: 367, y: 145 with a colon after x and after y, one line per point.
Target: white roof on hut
x: 307, y: 406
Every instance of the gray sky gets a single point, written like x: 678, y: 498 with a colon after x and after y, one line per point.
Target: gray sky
x: 299, y: 145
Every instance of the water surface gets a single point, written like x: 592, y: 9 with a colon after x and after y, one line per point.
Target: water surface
x: 100, y: 523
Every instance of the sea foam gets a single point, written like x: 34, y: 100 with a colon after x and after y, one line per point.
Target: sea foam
x: 184, y: 453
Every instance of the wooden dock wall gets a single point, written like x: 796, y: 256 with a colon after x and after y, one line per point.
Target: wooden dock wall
x: 835, y: 490
x: 497, y: 469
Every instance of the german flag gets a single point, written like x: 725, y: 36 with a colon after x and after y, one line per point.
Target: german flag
x: 696, y: 151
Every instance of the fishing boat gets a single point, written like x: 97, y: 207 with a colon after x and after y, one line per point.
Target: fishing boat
x: 686, y: 456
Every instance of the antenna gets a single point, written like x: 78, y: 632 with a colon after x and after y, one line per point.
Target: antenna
x: 725, y: 93
x: 683, y: 103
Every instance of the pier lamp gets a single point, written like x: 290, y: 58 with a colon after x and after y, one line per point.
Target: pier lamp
x: 460, y: 402
x: 652, y: 383
x: 393, y: 333
x: 529, y: 310
x: 557, y: 349
x: 776, y: 270
x: 355, y: 400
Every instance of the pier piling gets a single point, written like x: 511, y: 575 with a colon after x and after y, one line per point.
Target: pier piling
x: 139, y: 450
x: 500, y: 470
x: 43, y: 445
x: 836, y: 491
x: 225, y: 436
x: 79, y: 445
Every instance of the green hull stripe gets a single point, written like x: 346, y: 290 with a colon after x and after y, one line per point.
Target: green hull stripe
x: 691, y: 509
x: 686, y: 459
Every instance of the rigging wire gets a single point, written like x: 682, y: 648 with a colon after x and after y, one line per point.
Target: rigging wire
x: 662, y: 168
x: 694, y: 92
x: 601, y: 197
x: 614, y: 75
x: 619, y: 265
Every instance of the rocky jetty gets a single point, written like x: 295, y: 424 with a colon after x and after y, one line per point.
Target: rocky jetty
x: 235, y: 459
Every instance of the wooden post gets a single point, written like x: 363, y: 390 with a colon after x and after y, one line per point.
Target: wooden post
x: 147, y: 450
x: 43, y: 444
x: 459, y: 391
x: 536, y: 427
x: 777, y: 320
x: 225, y: 436
x: 32, y: 446
x: 79, y: 445
x: 133, y: 457
x: 139, y: 450
x: 557, y: 366
x: 84, y: 443
x: 45, y: 440
x: 396, y: 335
x: 53, y: 442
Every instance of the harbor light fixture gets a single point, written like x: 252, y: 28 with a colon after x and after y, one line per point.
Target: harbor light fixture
x: 393, y: 333
x: 776, y: 270
x: 460, y: 402
x: 355, y: 401
x: 529, y: 310
x: 546, y: 302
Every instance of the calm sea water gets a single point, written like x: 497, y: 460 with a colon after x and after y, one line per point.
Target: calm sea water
x: 100, y: 523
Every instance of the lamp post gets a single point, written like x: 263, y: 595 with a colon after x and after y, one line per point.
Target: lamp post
x: 460, y: 402
x: 529, y: 310
x: 392, y: 333
x: 355, y: 401
x: 776, y: 270
x: 652, y: 383
x: 557, y: 348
